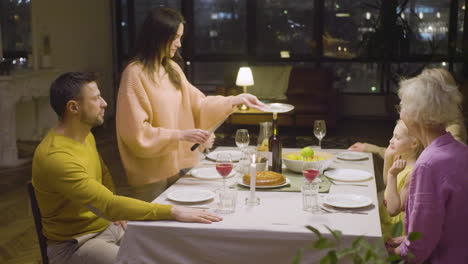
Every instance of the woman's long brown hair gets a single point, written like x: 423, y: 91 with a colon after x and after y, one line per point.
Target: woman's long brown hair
x: 153, y: 43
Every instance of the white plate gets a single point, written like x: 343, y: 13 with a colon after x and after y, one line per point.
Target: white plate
x: 352, y: 155
x: 347, y: 200
x: 277, y: 107
x: 235, y: 154
x: 208, y: 173
x: 348, y: 175
x: 190, y: 195
x: 240, y: 182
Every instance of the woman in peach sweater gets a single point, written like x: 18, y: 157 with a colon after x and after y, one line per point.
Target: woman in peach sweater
x: 160, y: 115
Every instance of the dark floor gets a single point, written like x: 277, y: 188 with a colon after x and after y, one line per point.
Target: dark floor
x: 18, y: 241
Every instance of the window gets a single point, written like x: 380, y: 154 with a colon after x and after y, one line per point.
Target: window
x: 347, y: 25
x: 406, y: 70
x: 356, y: 77
x: 219, y: 27
x: 285, y: 28
x: 429, y: 25
x: 15, y: 22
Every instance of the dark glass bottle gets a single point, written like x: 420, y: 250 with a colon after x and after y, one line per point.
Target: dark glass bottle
x: 275, y: 146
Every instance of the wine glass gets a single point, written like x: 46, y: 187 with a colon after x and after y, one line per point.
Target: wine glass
x: 224, y: 166
x: 320, y: 130
x: 242, y: 139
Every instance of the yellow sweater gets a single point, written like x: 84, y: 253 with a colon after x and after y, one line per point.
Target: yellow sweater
x: 68, y: 180
x: 386, y: 220
x: 150, y: 116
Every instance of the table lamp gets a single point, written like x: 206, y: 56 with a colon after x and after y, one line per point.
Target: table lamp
x: 244, y: 79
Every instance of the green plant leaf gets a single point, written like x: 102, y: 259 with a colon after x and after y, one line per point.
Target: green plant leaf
x: 397, y: 229
x: 357, y: 259
x: 297, y: 258
x: 336, y: 234
x: 315, y: 230
x: 345, y: 252
x: 414, y: 236
x: 356, y: 242
x: 393, y: 257
x: 322, y: 243
x: 330, y: 258
x: 370, y: 254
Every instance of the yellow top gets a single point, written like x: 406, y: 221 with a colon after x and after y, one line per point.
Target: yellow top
x: 150, y: 117
x: 386, y: 220
x: 68, y: 179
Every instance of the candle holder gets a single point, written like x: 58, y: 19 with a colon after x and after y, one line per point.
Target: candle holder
x: 252, y: 200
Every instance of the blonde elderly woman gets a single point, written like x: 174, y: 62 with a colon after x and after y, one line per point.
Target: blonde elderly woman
x: 437, y: 195
x: 456, y: 126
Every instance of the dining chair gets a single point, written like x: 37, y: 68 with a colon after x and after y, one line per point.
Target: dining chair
x: 37, y: 221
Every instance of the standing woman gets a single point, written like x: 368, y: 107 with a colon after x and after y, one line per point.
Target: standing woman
x: 160, y: 115
x: 437, y: 194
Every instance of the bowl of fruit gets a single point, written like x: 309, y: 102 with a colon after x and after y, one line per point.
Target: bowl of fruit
x: 294, y: 160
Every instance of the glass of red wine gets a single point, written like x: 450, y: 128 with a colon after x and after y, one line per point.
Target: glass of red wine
x: 224, y: 166
x: 310, y: 170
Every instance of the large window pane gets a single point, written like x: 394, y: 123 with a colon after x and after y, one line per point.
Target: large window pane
x: 207, y: 76
x: 143, y: 6
x: 347, y: 25
x: 15, y: 21
x: 400, y: 71
x: 356, y: 77
x: 429, y: 23
x: 284, y: 25
x: 220, y: 27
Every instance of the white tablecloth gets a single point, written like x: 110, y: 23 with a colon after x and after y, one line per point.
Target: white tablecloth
x: 269, y: 233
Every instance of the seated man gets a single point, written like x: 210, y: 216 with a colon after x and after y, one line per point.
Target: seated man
x: 74, y: 187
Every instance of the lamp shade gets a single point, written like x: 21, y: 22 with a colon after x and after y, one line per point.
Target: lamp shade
x: 244, y: 77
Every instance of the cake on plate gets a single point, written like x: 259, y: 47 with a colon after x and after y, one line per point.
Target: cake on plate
x: 265, y: 178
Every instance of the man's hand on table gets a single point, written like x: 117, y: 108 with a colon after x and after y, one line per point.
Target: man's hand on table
x: 185, y: 214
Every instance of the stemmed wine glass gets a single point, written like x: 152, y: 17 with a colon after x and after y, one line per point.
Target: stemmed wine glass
x: 242, y: 142
x: 242, y: 139
x: 224, y: 166
x: 320, y: 130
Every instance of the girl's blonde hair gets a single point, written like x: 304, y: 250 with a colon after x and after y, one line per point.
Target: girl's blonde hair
x: 418, y: 149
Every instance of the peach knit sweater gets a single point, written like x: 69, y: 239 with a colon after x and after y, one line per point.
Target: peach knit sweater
x: 150, y: 116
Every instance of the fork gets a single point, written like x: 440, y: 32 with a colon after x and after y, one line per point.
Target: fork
x: 342, y: 211
x: 342, y: 184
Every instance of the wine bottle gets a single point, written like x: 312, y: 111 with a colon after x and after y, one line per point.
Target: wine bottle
x: 275, y: 146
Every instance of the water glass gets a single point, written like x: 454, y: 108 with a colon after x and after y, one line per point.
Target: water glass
x: 310, y: 197
x: 226, y: 200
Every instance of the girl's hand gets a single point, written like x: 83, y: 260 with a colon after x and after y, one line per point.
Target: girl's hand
x: 397, y: 166
x: 358, y: 146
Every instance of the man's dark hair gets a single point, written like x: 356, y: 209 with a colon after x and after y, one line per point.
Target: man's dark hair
x: 68, y: 87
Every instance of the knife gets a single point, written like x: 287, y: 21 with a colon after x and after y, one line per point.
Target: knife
x: 213, y: 129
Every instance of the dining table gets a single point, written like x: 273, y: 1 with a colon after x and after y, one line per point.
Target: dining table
x: 272, y: 232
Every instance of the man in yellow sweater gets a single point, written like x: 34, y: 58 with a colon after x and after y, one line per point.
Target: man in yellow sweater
x: 74, y: 187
